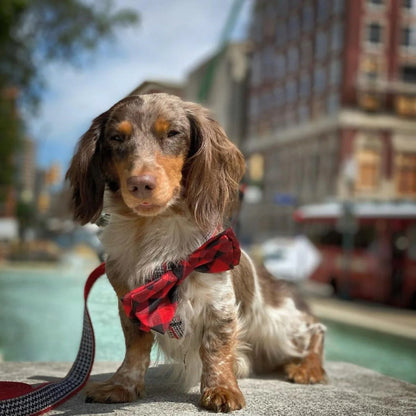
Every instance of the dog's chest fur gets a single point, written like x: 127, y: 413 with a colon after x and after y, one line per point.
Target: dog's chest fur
x: 135, y: 248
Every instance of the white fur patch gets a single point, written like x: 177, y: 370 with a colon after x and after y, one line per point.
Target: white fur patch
x: 136, y: 247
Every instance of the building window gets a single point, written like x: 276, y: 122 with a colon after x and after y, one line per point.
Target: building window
x: 337, y: 36
x: 375, y: 2
x: 279, y: 97
x: 318, y: 108
x: 408, y: 73
x: 293, y: 60
x: 267, y: 101
x: 268, y: 62
x: 409, y: 37
x: 303, y: 113
x: 368, y: 169
x: 323, y: 10
x: 294, y: 27
x: 291, y: 92
x: 280, y: 66
x: 374, y: 33
x: 304, y: 86
x: 294, y: 4
x: 254, y: 107
x: 338, y: 6
x: 257, y: 28
x: 256, y: 70
x: 307, y: 18
x: 335, y: 73
x: 306, y: 52
x: 319, y: 80
x: 321, y: 45
x: 281, y: 37
x: 283, y: 8
x: 409, y: 6
x: 405, y: 173
x: 332, y: 103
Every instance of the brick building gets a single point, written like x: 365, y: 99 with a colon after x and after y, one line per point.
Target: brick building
x: 332, y: 104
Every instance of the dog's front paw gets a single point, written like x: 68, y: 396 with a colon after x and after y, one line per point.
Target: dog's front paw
x: 308, y: 371
x: 222, y: 399
x: 112, y: 392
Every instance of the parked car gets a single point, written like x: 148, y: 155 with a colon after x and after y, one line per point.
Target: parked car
x: 292, y: 259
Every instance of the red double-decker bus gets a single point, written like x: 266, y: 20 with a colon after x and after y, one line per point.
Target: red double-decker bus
x: 368, y: 249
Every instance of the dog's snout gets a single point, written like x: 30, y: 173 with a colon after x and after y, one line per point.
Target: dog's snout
x: 141, y: 186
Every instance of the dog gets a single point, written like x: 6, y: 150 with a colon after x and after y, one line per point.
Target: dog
x: 168, y: 176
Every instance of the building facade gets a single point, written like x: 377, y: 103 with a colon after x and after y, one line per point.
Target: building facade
x: 332, y: 105
x: 219, y: 83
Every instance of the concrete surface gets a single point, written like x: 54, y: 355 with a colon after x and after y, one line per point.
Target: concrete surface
x: 351, y: 390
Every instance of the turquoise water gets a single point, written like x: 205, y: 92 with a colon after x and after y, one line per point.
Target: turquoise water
x: 41, y: 314
x: 391, y: 355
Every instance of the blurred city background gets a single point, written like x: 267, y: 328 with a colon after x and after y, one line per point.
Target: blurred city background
x: 320, y: 95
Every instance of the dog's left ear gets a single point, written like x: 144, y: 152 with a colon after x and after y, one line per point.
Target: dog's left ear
x: 84, y: 174
x: 213, y: 170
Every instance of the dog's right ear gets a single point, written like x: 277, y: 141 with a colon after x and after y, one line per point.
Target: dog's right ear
x: 85, y: 175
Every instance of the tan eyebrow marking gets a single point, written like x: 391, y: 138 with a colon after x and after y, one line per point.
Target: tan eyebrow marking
x: 125, y: 127
x: 161, y: 126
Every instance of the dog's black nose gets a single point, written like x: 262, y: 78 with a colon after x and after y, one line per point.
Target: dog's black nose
x: 141, y: 186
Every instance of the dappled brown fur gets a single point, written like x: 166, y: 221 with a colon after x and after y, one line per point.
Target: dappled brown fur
x: 209, y: 154
x: 216, y: 158
x: 168, y: 176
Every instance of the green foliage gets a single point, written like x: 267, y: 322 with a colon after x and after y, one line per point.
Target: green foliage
x: 32, y: 33
x: 26, y: 214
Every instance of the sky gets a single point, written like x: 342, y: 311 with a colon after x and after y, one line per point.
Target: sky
x: 172, y: 38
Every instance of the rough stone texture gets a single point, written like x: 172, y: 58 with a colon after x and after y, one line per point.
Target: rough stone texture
x: 351, y: 390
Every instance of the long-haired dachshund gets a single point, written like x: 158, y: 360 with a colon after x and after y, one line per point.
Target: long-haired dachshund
x: 168, y: 176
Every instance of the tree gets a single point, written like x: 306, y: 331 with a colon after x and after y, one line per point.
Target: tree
x: 10, y: 134
x: 34, y: 32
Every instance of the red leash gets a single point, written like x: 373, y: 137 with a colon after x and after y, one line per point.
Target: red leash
x: 20, y: 399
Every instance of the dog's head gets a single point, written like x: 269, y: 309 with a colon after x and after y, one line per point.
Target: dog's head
x: 154, y: 151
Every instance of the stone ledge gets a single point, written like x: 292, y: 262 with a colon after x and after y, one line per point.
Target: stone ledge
x: 351, y: 390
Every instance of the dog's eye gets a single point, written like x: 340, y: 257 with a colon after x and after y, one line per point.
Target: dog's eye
x: 116, y: 138
x: 172, y: 133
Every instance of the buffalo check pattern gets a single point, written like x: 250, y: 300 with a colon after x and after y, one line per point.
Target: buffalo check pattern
x: 154, y: 304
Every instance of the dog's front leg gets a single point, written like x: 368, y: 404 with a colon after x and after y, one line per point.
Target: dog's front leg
x: 127, y: 384
x: 219, y: 388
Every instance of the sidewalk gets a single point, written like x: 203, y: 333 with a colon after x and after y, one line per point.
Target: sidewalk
x: 351, y: 390
x: 393, y: 321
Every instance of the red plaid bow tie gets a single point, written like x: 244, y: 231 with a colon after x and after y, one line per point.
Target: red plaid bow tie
x: 154, y: 304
